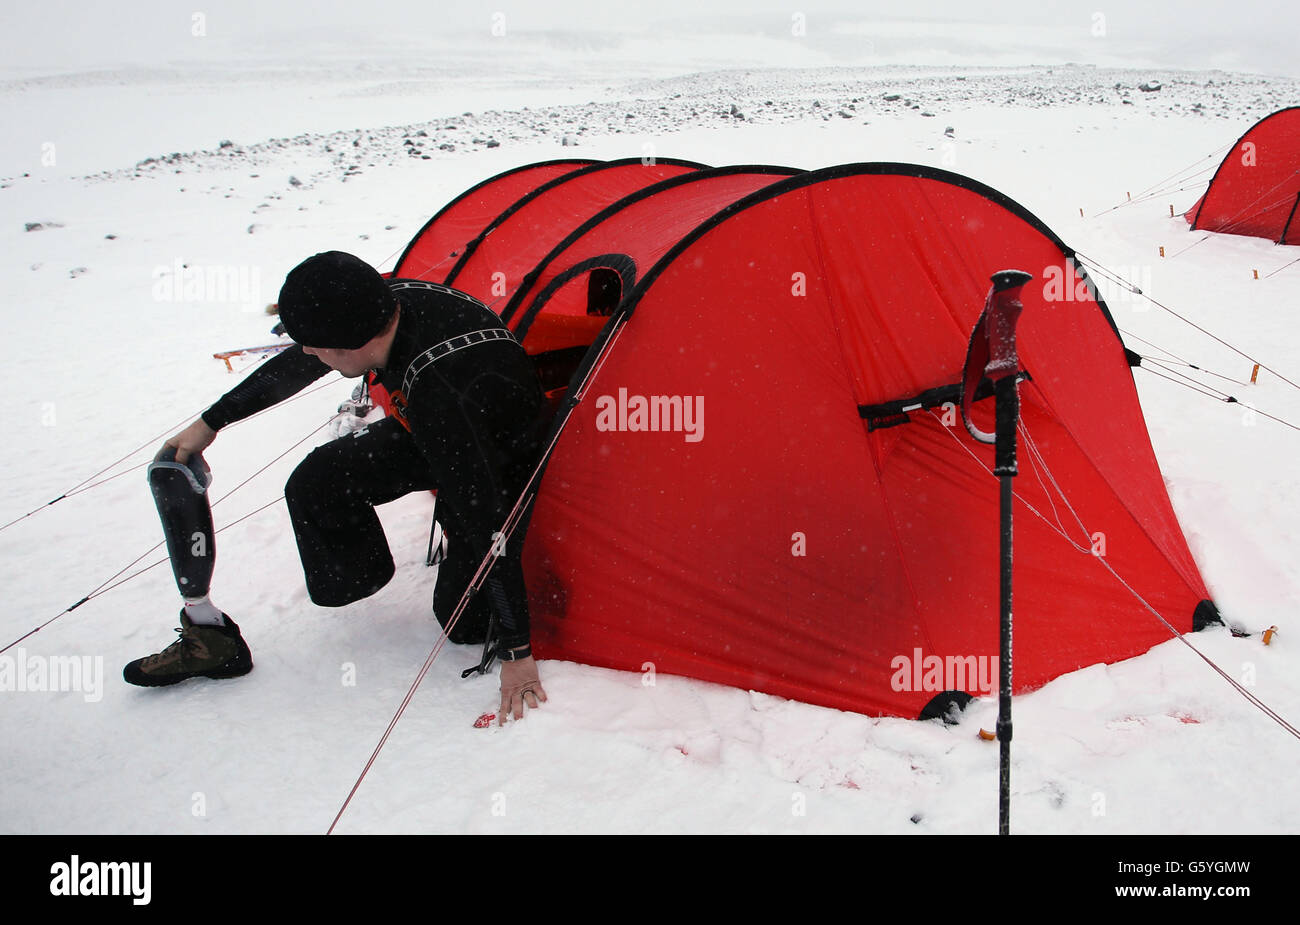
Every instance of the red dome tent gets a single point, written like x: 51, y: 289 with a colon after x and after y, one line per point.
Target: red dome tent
x: 824, y: 532
x: 1256, y: 190
x: 812, y: 529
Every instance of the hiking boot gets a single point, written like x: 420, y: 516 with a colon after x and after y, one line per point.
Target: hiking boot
x: 201, y: 651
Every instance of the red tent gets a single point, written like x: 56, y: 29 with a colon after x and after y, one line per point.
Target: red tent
x: 1256, y: 190
x: 765, y: 484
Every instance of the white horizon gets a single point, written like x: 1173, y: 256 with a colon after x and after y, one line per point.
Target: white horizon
x: 1255, y: 37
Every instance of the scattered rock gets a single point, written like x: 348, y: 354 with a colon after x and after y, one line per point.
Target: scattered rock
x: 110, y: 237
x: 294, y: 181
x: 77, y: 271
x: 569, y: 141
x: 892, y: 97
x: 41, y: 226
x: 1150, y: 86
x: 226, y: 143
x: 928, y: 115
x: 949, y: 131
x: 493, y: 143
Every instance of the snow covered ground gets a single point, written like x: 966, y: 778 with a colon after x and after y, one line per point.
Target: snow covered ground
x: 138, y: 174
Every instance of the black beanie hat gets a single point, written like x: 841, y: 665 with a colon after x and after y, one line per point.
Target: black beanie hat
x: 335, y: 300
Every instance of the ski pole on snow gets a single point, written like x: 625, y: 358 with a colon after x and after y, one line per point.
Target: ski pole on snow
x: 992, y: 354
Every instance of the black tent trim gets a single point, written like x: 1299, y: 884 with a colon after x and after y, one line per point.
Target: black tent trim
x: 621, y: 264
x: 538, y: 301
x: 478, y: 186
x: 884, y: 168
x: 547, y: 187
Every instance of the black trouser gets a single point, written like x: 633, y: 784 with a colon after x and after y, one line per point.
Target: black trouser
x: 345, y: 556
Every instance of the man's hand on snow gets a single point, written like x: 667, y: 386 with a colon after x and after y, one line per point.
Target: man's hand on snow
x: 519, y: 686
x: 194, y: 439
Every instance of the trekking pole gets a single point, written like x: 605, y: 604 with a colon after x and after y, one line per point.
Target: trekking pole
x: 992, y: 354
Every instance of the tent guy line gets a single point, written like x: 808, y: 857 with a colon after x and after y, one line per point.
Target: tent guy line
x: 1132, y: 287
x: 1175, y: 358
x: 108, y: 584
x: 1209, y: 392
x: 1158, y: 188
x: 517, y: 513
x: 82, y: 486
x: 1037, y: 460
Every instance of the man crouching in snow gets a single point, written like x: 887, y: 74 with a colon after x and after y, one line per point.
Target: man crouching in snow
x: 467, y: 413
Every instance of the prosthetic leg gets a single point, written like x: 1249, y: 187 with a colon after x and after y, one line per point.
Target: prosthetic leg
x: 210, y: 645
x: 180, y: 491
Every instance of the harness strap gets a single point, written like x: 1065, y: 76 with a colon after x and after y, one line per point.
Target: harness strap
x: 447, y: 348
x: 433, y: 355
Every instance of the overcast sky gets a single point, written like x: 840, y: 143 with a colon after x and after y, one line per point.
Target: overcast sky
x: 1247, y: 34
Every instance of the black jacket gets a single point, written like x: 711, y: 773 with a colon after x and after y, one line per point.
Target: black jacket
x: 469, y: 396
